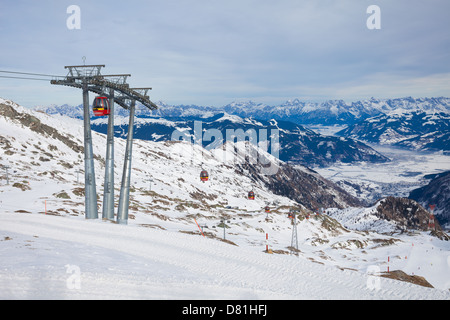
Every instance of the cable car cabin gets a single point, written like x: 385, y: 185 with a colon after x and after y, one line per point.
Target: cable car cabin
x: 291, y: 215
x: 251, y: 195
x: 267, y: 209
x: 204, y: 175
x: 101, y: 106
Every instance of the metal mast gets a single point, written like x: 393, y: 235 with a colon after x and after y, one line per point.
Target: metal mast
x: 6, y: 170
x: 124, y: 200
x: 108, y: 185
x: 90, y: 190
x: 294, y: 239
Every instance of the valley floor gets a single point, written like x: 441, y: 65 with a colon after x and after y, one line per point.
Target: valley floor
x: 372, y: 181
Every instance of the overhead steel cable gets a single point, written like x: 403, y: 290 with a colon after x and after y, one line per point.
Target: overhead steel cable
x: 32, y: 74
x: 23, y: 78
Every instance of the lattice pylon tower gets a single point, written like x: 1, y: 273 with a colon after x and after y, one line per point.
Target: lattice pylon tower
x: 431, y: 222
x: 294, y: 238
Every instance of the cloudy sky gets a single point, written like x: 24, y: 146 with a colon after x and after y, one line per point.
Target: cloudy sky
x: 213, y: 52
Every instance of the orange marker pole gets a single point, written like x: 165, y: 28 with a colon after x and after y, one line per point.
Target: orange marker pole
x: 388, y: 265
x: 199, y: 227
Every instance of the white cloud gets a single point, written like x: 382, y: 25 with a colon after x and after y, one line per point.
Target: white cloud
x: 384, y: 85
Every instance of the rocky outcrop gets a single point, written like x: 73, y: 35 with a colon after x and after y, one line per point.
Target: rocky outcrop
x: 30, y: 121
x: 437, y: 193
x: 406, y: 213
x: 304, y: 186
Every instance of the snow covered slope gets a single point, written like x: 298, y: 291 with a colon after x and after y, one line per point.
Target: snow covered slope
x: 49, y: 250
x: 50, y: 257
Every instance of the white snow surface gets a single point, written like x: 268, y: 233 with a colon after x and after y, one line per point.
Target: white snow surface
x: 131, y: 262
x: 161, y: 254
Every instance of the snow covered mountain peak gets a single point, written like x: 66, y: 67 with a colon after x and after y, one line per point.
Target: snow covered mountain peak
x: 330, y: 112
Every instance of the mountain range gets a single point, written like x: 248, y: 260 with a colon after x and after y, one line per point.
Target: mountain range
x: 44, y: 154
x: 415, y: 130
x: 417, y: 123
x: 43, y: 146
x: 413, y: 123
x: 332, y: 112
x: 297, y: 143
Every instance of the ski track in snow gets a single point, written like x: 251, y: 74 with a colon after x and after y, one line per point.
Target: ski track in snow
x: 130, y: 262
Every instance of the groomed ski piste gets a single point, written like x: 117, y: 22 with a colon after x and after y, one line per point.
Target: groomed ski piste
x: 48, y: 250
x: 51, y: 257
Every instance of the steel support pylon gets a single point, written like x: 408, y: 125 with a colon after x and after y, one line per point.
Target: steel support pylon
x: 89, y: 78
x: 294, y: 239
x: 124, y: 200
x: 108, y: 186
x: 90, y: 192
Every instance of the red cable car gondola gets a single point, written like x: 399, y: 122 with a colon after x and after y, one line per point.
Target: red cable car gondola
x: 251, y: 195
x: 101, y: 106
x: 267, y: 209
x: 204, y: 175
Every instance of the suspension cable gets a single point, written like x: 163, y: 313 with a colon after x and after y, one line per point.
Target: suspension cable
x: 23, y: 78
x: 32, y: 74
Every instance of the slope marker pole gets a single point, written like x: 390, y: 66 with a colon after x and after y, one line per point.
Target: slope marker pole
x: 199, y: 227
